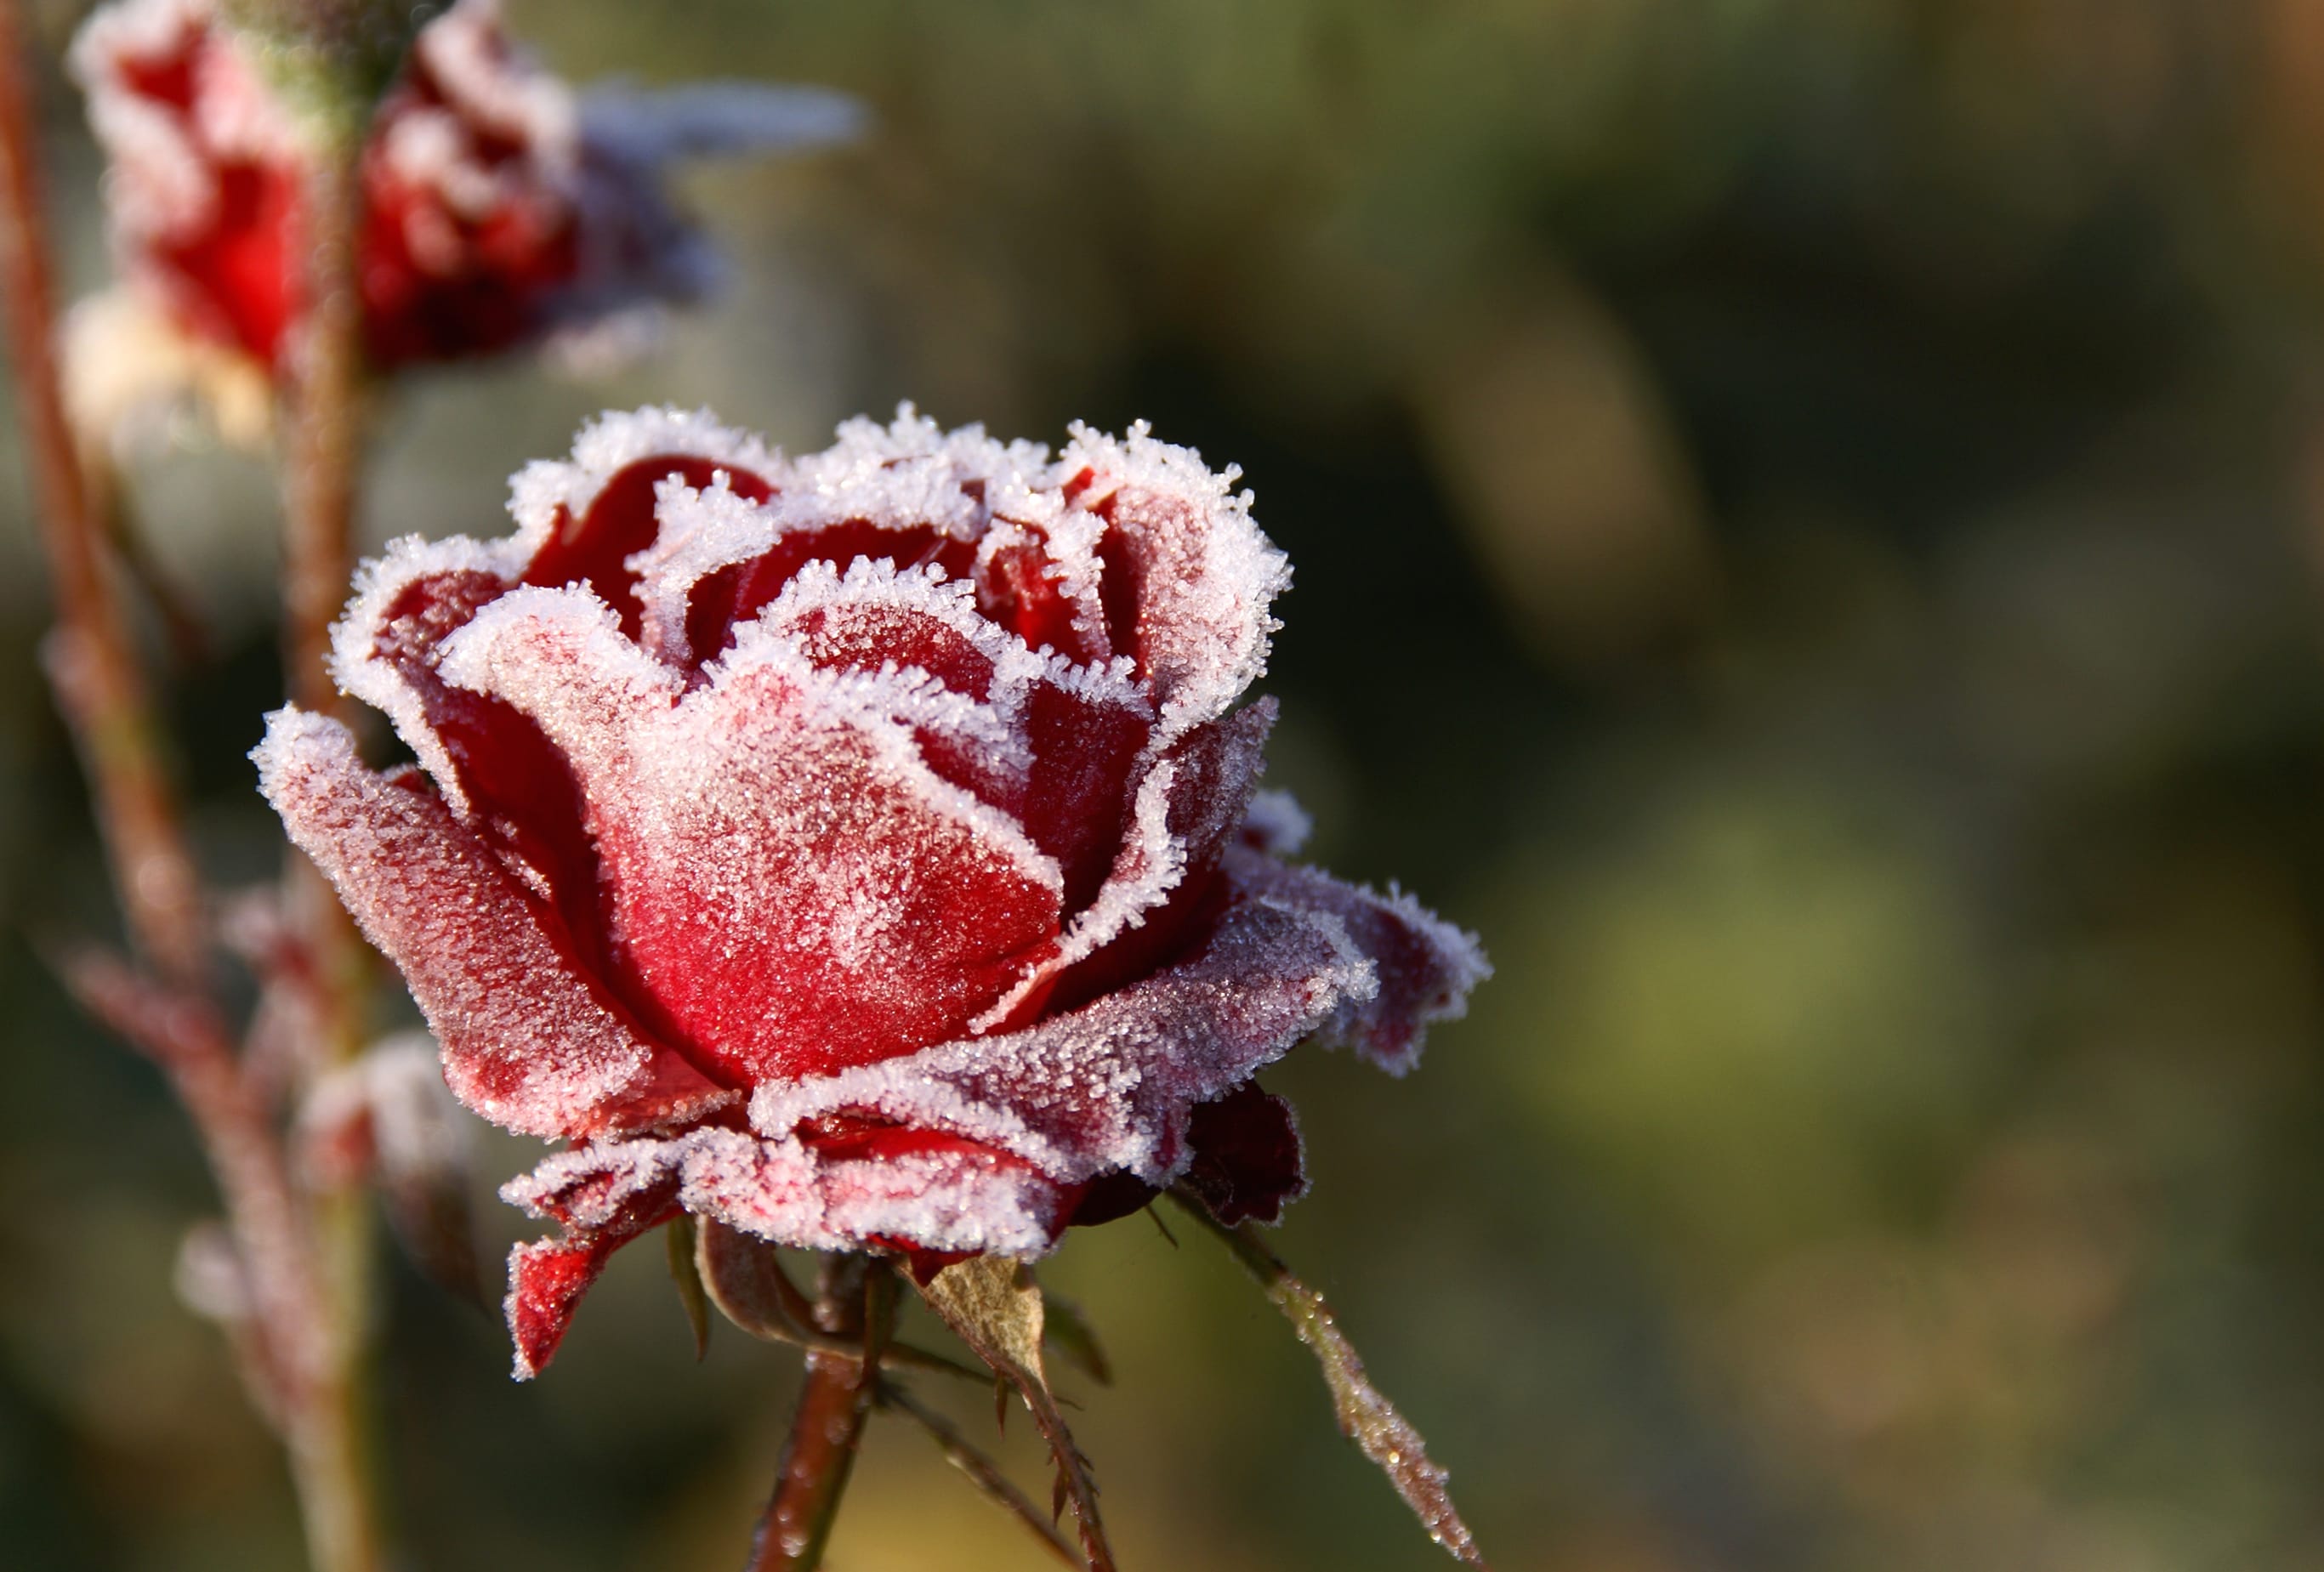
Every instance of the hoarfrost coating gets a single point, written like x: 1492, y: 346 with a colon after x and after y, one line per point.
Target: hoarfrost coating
x: 859, y: 848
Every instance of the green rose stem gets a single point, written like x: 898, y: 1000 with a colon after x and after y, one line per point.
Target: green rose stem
x: 296, y: 1323
x: 857, y: 1297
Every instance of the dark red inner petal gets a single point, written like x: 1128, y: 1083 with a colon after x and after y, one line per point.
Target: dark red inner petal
x: 1207, y: 799
x: 1247, y: 1160
x: 1018, y: 588
x: 1246, y: 1165
x: 726, y: 600
x: 1120, y: 587
x: 619, y: 522
x: 494, y: 293
x: 1071, y: 801
x: 1075, y: 804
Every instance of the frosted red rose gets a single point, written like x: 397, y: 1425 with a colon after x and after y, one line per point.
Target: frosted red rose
x: 499, y: 206
x: 857, y: 848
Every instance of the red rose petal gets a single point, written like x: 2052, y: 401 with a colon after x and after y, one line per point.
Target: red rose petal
x: 1246, y: 1156
x: 593, y: 545
x: 527, y: 1042
x: 1111, y: 1085
x: 795, y: 888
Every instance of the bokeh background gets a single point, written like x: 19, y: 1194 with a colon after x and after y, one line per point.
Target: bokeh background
x: 1809, y: 518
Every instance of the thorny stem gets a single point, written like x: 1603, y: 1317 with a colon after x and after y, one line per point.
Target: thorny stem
x: 91, y: 661
x: 331, y: 1439
x: 828, y: 1424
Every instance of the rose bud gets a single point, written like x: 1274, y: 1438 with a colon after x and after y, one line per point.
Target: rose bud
x: 858, y: 850
x: 501, y: 209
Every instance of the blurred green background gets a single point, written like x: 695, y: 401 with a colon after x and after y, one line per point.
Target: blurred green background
x: 1809, y: 518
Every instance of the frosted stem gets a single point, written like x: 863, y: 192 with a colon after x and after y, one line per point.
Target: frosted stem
x: 1365, y: 1414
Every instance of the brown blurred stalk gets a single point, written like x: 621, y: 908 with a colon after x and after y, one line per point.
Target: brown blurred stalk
x: 305, y: 1264
x: 323, y: 464
x: 91, y: 660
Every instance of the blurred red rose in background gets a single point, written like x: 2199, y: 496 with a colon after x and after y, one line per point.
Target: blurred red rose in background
x: 500, y: 207
x: 860, y: 850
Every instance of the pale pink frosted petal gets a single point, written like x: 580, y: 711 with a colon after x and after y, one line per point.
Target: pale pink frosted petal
x: 940, y: 1195
x: 1188, y: 575
x: 946, y: 1196
x: 527, y: 1042
x: 1426, y: 965
x: 795, y: 887
x: 1111, y: 1085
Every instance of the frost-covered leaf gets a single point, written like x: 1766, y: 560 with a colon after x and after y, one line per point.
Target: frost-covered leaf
x: 1366, y: 1416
